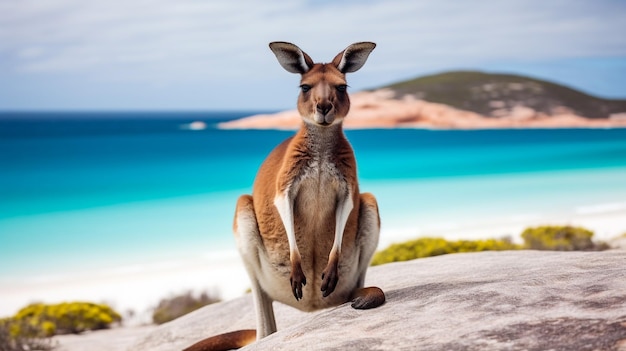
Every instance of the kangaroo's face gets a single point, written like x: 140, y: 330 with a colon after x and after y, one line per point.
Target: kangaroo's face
x: 323, y: 96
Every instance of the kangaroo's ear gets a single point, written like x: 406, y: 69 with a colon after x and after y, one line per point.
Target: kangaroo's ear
x: 353, y: 57
x: 291, y: 57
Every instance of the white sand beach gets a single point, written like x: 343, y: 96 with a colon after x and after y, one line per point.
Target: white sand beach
x: 137, y: 288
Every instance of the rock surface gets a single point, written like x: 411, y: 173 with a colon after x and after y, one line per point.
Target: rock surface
x: 380, y: 109
x: 116, y: 339
x: 510, y: 300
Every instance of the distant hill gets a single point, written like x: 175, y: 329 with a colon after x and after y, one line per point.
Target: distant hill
x: 495, y: 95
x: 464, y: 100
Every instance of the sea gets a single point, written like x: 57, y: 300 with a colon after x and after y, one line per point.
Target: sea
x: 83, y: 191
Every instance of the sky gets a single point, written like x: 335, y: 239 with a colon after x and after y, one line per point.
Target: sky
x: 213, y: 55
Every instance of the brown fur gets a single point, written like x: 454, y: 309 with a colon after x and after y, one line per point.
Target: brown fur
x: 289, y: 231
x: 313, y: 213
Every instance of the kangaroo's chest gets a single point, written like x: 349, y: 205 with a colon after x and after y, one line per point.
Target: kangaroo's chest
x: 319, y: 187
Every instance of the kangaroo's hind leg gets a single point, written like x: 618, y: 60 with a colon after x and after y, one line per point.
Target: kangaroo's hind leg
x: 367, y: 241
x: 251, y: 248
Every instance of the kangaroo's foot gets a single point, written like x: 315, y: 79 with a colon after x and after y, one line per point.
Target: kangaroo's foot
x: 366, y: 298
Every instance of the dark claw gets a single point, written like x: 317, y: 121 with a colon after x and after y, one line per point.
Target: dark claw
x: 297, y: 288
x: 359, y: 303
x: 329, y: 282
x: 297, y: 281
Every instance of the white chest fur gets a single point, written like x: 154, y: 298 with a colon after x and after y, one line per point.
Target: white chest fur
x: 318, y: 189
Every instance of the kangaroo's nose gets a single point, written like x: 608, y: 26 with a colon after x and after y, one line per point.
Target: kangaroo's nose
x: 324, y: 107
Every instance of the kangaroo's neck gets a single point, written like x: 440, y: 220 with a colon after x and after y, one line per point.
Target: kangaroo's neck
x: 321, y: 141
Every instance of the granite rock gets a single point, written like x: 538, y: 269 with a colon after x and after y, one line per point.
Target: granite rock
x: 509, y: 300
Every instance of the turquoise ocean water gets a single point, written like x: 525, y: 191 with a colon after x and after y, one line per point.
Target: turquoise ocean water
x: 87, y: 190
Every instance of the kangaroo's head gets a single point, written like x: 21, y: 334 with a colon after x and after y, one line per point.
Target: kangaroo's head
x: 323, y: 98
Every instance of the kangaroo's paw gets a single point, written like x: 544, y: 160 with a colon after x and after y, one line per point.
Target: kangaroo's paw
x: 330, y: 277
x: 298, y: 280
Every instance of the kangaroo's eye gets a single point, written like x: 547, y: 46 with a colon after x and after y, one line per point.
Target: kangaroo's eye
x: 305, y: 88
x: 341, y: 87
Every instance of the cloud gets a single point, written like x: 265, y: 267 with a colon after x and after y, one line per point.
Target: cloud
x: 164, y: 42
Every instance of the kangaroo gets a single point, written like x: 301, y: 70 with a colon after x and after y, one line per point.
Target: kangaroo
x: 307, y: 235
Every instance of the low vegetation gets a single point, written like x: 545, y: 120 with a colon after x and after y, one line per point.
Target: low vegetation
x: 65, y: 318
x: 174, y: 307
x: 11, y: 340
x: 560, y: 238
x: 427, y: 247
x: 33, y: 325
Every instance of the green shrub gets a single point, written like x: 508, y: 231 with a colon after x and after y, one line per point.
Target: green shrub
x: 174, y: 307
x: 426, y: 247
x: 63, y: 318
x: 11, y: 340
x: 559, y: 238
